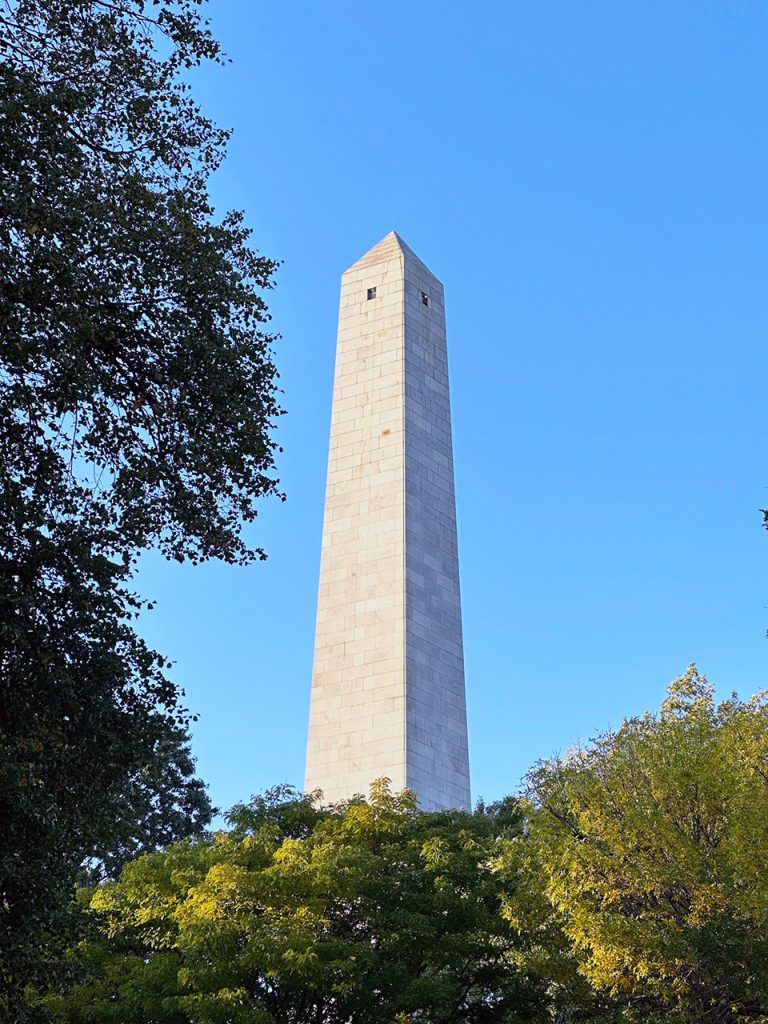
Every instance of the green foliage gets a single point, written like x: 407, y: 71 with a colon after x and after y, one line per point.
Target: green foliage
x: 628, y: 888
x: 136, y: 397
x: 134, y: 359
x: 646, y: 859
x: 367, y: 912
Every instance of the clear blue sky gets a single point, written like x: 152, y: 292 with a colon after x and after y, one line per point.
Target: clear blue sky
x: 590, y: 182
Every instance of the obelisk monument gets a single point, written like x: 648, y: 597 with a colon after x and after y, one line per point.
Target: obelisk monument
x: 388, y: 679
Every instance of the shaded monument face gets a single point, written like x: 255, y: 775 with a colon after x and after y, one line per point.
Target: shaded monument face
x: 388, y: 679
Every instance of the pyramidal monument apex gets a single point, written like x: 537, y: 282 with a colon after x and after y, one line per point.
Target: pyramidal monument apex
x: 388, y: 678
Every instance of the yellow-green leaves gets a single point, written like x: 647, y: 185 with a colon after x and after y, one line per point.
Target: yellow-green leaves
x: 630, y: 886
x: 371, y: 912
x: 650, y: 847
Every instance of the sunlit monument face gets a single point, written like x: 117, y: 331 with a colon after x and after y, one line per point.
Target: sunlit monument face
x: 388, y: 680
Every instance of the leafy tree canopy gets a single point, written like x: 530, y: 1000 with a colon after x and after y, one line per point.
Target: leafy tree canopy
x: 646, y: 858
x: 135, y: 368
x: 367, y: 912
x: 629, y: 886
x: 137, y: 392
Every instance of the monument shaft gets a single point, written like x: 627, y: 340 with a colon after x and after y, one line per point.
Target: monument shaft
x: 388, y: 678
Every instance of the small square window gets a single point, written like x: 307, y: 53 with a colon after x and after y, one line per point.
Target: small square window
x: 424, y: 299
x: 372, y: 293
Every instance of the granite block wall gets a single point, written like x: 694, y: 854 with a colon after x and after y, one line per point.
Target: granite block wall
x: 388, y: 680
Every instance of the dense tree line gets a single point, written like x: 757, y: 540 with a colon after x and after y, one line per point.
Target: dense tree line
x: 137, y: 392
x: 627, y: 885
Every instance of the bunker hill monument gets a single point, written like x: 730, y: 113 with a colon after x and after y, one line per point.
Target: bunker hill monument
x: 388, y: 678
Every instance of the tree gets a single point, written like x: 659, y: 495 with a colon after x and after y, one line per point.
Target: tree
x: 368, y: 912
x: 648, y: 850
x: 137, y: 393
